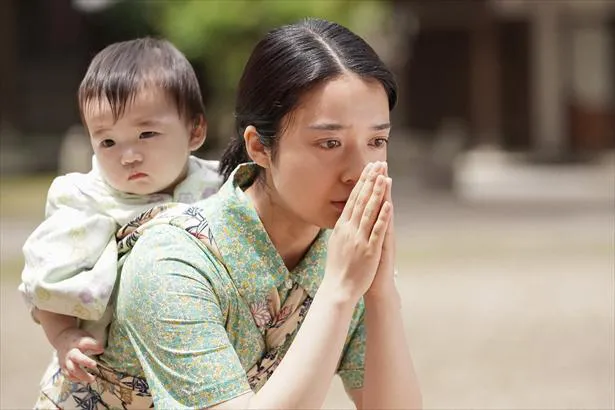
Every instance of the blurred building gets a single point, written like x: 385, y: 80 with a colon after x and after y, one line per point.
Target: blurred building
x: 46, y: 47
x: 522, y: 75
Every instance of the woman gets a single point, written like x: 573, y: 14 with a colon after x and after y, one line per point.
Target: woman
x: 249, y: 299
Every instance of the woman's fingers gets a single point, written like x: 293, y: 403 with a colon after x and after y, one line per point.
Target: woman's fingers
x: 372, y: 208
x: 355, y: 246
x: 389, y: 237
x: 379, y: 231
x: 388, y: 196
x: 365, y: 193
x: 350, y: 203
x: 382, y: 226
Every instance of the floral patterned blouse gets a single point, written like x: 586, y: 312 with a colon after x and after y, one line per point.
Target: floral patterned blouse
x: 193, y: 324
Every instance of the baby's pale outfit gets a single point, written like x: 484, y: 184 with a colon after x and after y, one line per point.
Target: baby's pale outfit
x: 71, y: 259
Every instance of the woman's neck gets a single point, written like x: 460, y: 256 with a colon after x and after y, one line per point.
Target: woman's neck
x: 291, y: 236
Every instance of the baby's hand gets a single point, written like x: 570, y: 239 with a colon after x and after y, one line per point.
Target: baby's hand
x: 72, y: 344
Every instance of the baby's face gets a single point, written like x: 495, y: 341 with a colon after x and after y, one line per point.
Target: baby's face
x: 146, y: 150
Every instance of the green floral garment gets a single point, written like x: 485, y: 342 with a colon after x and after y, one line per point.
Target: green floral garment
x: 194, y: 326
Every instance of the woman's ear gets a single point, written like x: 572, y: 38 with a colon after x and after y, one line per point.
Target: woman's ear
x: 255, y: 148
x: 198, y: 133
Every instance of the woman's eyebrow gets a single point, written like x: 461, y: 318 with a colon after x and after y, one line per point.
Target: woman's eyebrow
x: 381, y: 127
x: 337, y: 127
x: 325, y: 126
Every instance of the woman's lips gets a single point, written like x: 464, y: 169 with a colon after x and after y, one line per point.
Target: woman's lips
x: 339, y: 205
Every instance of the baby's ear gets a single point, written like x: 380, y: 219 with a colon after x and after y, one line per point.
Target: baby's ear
x: 255, y: 148
x: 198, y: 133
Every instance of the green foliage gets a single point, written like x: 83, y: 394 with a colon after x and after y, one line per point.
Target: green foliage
x: 220, y: 34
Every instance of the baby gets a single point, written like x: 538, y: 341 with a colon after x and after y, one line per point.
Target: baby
x: 141, y: 104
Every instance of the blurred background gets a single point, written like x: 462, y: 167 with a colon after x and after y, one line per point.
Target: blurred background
x: 502, y: 154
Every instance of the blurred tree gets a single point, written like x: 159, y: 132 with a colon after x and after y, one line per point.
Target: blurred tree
x: 219, y: 35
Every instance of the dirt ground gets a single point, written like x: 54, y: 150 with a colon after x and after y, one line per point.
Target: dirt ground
x: 506, y: 307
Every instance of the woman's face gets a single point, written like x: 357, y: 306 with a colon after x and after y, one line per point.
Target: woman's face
x: 337, y: 129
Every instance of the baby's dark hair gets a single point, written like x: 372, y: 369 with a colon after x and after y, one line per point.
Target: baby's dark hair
x: 121, y: 70
x: 287, y: 63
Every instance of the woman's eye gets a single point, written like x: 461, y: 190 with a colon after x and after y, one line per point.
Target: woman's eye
x: 148, y: 134
x: 107, y: 143
x: 330, y: 144
x: 380, y: 142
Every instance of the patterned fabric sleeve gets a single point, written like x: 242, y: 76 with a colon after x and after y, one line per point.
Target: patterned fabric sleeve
x: 71, y: 258
x: 175, y: 321
x: 352, y: 365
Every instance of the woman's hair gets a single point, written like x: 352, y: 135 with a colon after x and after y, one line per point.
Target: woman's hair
x: 121, y: 70
x: 288, y: 62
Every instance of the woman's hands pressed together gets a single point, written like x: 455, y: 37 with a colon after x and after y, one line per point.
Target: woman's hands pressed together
x: 356, y: 245
x: 383, y: 284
